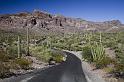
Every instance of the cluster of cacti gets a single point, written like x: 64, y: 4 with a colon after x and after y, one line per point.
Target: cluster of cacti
x: 98, y: 52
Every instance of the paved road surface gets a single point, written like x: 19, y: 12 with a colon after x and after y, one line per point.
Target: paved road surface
x: 68, y: 71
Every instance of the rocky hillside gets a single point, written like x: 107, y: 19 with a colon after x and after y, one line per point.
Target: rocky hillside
x: 42, y: 23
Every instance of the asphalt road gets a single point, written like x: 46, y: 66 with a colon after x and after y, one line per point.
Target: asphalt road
x: 68, y: 71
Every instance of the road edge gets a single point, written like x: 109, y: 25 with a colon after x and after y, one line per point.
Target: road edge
x: 90, y: 76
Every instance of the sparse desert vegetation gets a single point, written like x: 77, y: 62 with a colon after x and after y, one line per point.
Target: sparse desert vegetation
x: 101, y: 48
x: 92, y: 44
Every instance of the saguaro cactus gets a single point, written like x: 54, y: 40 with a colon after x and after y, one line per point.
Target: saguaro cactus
x: 19, y: 47
x: 28, y: 41
x: 100, y: 36
x: 32, y: 23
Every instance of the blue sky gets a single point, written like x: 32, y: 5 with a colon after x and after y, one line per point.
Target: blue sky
x: 94, y: 10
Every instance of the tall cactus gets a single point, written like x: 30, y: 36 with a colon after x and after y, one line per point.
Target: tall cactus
x: 98, y: 52
x: 100, y: 36
x: 19, y: 47
x: 28, y: 41
x: 89, y: 38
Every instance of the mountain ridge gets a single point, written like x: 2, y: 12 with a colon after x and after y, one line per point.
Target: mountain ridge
x: 42, y: 22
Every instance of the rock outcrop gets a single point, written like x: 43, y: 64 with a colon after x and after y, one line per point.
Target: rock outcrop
x: 42, y: 22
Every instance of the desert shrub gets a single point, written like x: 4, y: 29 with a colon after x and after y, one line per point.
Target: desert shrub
x: 4, y: 70
x: 57, y: 57
x: 78, y: 48
x: 75, y: 47
x: 42, y: 53
x: 60, y: 45
x: 106, y: 61
x: 4, y: 57
x: 12, y: 51
x: 23, y: 63
x: 119, y: 67
x: 119, y: 64
x: 86, y: 53
x: 110, y: 44
x: 108, y: 69
x: 118, y: 51
x: 114, y: 47
x: 45, y: 55
x: 120, y: 55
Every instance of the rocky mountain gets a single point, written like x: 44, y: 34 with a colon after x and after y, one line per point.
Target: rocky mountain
x: 41, y: 23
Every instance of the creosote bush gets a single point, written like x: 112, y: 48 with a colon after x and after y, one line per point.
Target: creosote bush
x: 23, y: 63
x: 4, y: 70
x: 87, y: 53
x: 119, y: 67
x: 4, y: 57
x: 106, y: 61
x: 58, y: 57
x: 42, y: 53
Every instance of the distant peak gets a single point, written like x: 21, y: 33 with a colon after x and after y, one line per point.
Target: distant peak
x: 114, y: 22
x: 39, y: 11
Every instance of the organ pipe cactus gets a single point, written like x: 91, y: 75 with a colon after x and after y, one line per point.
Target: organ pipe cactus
x: 98, y: 52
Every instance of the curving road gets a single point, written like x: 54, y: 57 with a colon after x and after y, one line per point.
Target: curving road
x: 68, y: 71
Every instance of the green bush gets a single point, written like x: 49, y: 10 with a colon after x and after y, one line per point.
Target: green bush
x: 119, y: 67
x: 4, y: 70
x: 87, y: 53
x: 4, y: 57
x: 12, y: 51
x: 106, y: 61
x: 118, y: 50
x: 57, y: 57
x: 23, y: 63
x: 42, y: 53
x: 119, y: 64
x: 45, y: 56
